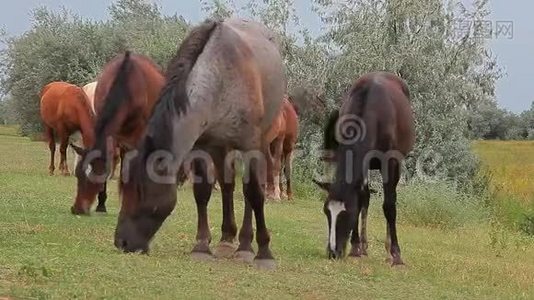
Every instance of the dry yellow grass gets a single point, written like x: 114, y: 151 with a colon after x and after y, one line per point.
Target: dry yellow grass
x: 511, y: 164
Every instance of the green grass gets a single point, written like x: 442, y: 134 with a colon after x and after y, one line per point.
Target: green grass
x: 510, y: 166
x: 46, y: 253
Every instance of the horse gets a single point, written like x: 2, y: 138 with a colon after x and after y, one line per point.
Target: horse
x: 223, y: 90
x: 64, y: 110
x: 124, y: 122
x: 282, y: 138
x: 373, y: 129
x: 89, y: 90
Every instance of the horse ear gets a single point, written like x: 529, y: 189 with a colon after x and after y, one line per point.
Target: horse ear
x: 79, y: 150
x: 323, y: 185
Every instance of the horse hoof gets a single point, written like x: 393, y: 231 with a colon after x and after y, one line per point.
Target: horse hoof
x: 101, y: 209
x: 225, y: 250
x: 265, y: 264
x: 244, y: 256
x: 202, y: 256
x: 354, y: 254
x: 395, y: 261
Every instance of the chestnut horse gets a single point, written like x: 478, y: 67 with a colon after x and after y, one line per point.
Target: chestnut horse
x: 224, y: 88
x: 282, y: 138
x: 121, y: 117
x: 65, y: 110
x: 374, y: 129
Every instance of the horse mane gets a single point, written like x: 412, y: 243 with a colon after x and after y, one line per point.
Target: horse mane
x: 329, y: 137
x: 117, y: 95
x: 173, y: 98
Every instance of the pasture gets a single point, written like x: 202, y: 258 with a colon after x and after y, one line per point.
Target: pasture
x: 510, y: 166
x: 47, y: 253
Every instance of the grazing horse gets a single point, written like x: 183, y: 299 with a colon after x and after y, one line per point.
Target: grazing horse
x: 124, y: 120
x: 224, y: 88
x: 65, y: 110
x: 89, y: 90
x: 282, y: 138
x: 374, y: 129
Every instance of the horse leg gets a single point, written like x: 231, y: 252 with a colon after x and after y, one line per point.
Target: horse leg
x: 52, y: 147
x: 255, y: 196
x: 102, y: 197
x: 390, y: 211
x: 117, y: 155
x: 63, y: 167
x: 202, y: 192
x: 277, y: 160
x: 226, y: 179
x: 287, y: 174
x: 363, y: 212
x: 356, y: 250
x: 244, y: 251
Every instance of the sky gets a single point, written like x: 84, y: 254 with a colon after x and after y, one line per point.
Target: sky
x: 514, y: 53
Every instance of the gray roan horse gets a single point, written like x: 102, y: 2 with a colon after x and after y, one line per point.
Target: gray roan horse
x: 223, y: 89
x: 374, y: 129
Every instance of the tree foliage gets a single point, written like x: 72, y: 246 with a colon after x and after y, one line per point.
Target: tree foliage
x: 450, y: 73
x: 61, y: 46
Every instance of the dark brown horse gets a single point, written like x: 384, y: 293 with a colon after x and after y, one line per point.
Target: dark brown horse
x: 121, y: 119
x: 374, y: 129
x: 65, y: 109
x: 224, y: 88
x: 282, y: 137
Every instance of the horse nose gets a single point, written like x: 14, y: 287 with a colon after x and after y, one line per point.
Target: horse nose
x: 121, y: 244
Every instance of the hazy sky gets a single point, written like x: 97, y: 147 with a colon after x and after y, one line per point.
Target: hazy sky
x: 515, y: 55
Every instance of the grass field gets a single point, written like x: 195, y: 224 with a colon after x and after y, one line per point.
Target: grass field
x: 46, y: 253
x: 511, y: 168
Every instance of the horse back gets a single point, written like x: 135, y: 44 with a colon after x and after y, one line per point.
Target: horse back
x: 63, y: 102
x: 381, y: 101
x: 144, y: 82
x: 254, y: 50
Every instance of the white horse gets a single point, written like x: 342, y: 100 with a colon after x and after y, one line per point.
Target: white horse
x: 89, y: 90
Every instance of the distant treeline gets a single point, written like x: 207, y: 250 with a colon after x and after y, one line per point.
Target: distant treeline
x: 490, y: 122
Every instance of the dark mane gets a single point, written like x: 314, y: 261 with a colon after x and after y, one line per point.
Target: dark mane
x: 117, y: 95
x: 173, y: 98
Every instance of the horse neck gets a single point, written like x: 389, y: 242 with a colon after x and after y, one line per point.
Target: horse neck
x: 185, y: 129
